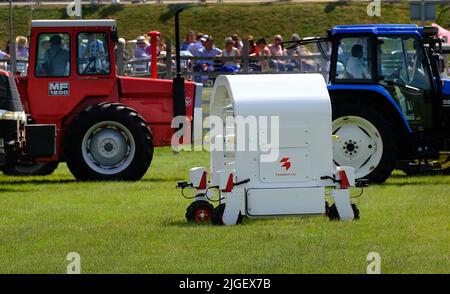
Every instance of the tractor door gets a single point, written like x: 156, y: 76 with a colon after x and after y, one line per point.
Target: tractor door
x: 403, y: 71
x: 70, y: 66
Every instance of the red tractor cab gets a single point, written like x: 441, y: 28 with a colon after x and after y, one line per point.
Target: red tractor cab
x: 106, y: 126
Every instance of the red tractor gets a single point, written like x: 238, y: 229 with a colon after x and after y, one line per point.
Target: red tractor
x: 106, y: 125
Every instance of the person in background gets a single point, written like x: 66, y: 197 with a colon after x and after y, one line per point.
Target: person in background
x: 121, y: 50
x: 94, y: 46
x: 237, y: 41
x: 263, y: 51
x: 197, y: 45
x: 190, y: 39
x: 230, y: 51
x: 22, y: 47
x: 4, y: 55
x: 307, y: 65
x: 208, y: 51
x: 141, y: 45
x: 277, y: 50
x: 7, y: 48
x: 252, y: 51
x: 252, y: 47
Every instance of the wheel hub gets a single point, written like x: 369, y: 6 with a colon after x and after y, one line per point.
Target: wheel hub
x: 108, y: 147
x: 202, y: 215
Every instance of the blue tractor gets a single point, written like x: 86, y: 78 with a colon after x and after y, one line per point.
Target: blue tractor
x: 391, y: 108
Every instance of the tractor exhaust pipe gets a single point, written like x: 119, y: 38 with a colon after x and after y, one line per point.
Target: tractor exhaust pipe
x: 179, y: 107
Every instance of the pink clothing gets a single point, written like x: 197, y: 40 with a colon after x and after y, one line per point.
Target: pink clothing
x: 276, y: 50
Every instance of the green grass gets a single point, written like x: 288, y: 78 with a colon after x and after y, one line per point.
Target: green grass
x: 140, y: 228
x: 260, y: 20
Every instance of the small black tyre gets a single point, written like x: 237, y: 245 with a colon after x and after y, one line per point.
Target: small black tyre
x: 108, y: 142
x: 200, y: 211
x: 333, y: 214
x: 366, y: 141
x: 218, y: 214
x: 35, y: 169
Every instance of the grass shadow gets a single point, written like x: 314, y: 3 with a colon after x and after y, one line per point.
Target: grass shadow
x: 13, y: 190
x: 171, y: 10
x: 37, y: 182
x: 183, y: 224
x: 330, y: 7
x: 110, y: 10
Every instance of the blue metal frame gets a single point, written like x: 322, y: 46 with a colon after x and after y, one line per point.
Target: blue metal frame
x: 374, y: 88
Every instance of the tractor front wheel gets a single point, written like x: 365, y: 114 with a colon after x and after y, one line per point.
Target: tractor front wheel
x: 108, y: 142
x: 365, y: 142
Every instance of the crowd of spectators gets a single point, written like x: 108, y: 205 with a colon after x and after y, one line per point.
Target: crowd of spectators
x: 205, y: 52
x: 200, y: 45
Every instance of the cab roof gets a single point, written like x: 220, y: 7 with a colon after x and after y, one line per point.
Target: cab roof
x: 50, y: 23
x: 378, y: 29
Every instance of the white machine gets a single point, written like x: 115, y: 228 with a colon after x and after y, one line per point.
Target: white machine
x: 273, y: 169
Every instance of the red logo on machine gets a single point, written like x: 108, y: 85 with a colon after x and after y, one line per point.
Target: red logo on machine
x: 285, y: 163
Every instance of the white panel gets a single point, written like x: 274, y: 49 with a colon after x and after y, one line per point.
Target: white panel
x: 293, y: 165
x: 289, y: 136
x: 287, y: 201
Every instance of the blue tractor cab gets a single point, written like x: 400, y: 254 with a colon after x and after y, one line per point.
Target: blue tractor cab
x: 390, y: 106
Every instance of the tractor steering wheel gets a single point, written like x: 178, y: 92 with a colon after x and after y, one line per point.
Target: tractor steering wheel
x: 396, y: 76
x: 89, y: 67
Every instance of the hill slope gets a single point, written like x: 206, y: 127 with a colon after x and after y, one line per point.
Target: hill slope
x: 260, y: 20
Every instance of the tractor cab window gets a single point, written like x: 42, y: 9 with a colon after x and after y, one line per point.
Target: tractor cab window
x: 53, y: 55
x: 354, y: 59
x: 93, y: 55
x: 402, y: 71
x: 401, y: 61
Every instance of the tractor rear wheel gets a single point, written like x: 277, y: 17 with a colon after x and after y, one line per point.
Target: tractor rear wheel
x: 108, y: 142
x: 34, y: 169
x: 365, y: 142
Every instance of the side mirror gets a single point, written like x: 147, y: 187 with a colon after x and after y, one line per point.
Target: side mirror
x: 440, y: 63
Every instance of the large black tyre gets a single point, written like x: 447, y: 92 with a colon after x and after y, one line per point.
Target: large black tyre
x: 366, y: 142
x: 35, y: 169
x: 108, y: 142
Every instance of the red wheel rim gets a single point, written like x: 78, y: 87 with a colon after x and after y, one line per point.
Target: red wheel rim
x: 202, y: 215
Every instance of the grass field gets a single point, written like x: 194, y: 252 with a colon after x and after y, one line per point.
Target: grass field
x: 140, y: 228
